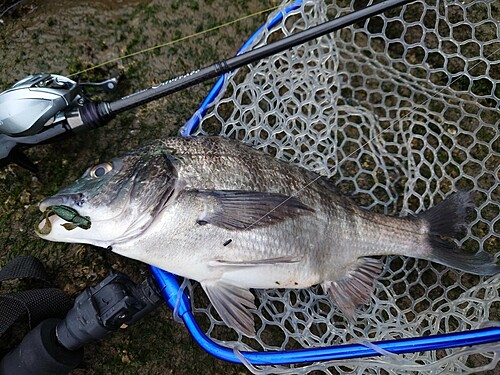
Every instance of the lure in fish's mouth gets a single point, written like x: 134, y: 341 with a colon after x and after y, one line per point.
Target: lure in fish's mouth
x: 73, y: 218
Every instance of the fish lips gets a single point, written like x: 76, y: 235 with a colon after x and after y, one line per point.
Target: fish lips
x: 70, y: 200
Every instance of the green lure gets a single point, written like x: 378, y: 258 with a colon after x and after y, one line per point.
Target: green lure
x: 66, y: 213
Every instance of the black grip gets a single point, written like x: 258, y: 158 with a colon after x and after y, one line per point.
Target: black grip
x: 95, y: 115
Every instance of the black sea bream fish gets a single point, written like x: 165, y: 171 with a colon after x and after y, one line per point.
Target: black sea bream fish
x: 234, y: 218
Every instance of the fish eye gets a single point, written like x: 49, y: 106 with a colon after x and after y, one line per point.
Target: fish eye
x: 100, y: 170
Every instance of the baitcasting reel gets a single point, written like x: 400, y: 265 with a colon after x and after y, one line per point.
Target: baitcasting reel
x: 34, y: 102
x: 42, y: 100
x: 42, y: 107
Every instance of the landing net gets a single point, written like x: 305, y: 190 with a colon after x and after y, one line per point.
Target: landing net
x: 399, y: 111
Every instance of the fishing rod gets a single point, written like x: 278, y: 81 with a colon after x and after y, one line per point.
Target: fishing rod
x: 43, y: 108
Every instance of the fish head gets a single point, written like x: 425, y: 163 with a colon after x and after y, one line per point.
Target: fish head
x: 113, y: 201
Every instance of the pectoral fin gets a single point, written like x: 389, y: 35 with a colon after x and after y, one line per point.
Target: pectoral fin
x: 356, y: 287
x: 233, y: 305
x: 238, y: 210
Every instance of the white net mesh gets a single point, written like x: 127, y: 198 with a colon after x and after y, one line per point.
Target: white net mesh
x: 399, y: 111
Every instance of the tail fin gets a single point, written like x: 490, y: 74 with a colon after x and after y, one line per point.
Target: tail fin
x: 445, y: 220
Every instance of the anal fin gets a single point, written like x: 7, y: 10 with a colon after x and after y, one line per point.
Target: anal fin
x: 233, y: 304
x: 356, y: 287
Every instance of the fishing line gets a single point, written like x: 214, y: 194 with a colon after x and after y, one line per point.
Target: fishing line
x: 175, y: 41
x: 412, y: 111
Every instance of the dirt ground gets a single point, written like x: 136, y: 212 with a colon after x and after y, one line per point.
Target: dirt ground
x: 64, y: 37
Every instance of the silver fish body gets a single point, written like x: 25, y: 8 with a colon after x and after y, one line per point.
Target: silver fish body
x: 234, y: 218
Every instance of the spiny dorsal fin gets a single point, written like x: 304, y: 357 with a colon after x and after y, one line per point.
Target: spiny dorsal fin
x: 241, y: 210
x: 356, y: 287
